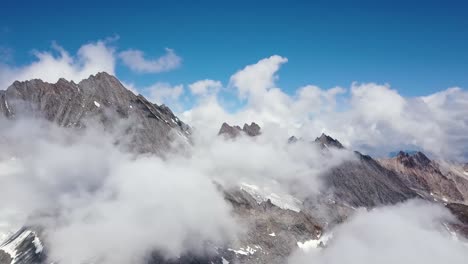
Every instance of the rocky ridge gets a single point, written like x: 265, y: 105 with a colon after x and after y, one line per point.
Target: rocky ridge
x: 101, y: 98
x: 251, y: 130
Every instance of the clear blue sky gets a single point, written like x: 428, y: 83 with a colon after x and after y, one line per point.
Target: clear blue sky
x: 418, y: 47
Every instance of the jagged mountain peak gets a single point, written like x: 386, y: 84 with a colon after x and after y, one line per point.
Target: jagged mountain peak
x: 100, y: 76
x: 413, y: 159
x: 292, y: 139
x: 326, y: 141
x: 251, y: 130
x: 100, y: 97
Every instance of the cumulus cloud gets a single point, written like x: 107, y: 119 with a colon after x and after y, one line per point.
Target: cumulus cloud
x: 58, y: 63
x: 369, y: 117
x: 204, y: 87
x: 257, y: 78
x: 164, y: 92
x: 136, y: 61
x: 404, y: 233
x: 373, y: 118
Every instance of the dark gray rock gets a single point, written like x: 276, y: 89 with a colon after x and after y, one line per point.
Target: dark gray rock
x: 366, y: 183
x: 292, y: 139
x: 326, y: 141
x: 251, y: 130
x: 229, y: 131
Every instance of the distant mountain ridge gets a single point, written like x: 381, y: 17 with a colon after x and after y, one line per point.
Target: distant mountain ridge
x: 424, y: 175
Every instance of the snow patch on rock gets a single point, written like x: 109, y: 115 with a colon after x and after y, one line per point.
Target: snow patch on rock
x: 283, y: 201
x: 315, y: 243
x: 246, y: 250
x: 11, y: 245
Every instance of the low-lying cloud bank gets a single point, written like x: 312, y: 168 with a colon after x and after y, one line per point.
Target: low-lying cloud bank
x: 405, y: 233
x: 104, y: 205
x: 99, y: 204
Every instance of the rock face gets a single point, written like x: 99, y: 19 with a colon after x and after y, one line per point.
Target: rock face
x: 229, y: 131
x: 366, y: 183
x: 273, y: 232
x: 251, y: 130
x: 23, y: 247
x: 424, y: 176
x: 100, y: 98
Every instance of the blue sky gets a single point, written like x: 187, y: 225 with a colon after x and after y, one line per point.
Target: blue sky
x: 418, y: 47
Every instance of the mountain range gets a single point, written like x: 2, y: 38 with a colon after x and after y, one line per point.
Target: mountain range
x: 276, y: 224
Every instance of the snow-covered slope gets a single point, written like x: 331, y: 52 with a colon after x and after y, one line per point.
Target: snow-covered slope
x: 263, y: 194
x: 23, y: 247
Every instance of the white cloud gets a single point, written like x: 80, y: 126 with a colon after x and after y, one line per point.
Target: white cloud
x: 136, y: 61
x: 405, y: 233
x: 52, y: 65
x: 204, y: 87
x: 130, y: 205
x: 369, y: 117
x: 257, y: 78
x: 104, y: 205
x: 163, y: 93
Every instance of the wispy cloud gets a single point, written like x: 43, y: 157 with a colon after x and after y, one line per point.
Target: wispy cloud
x: 136, y: 61
x: 204, y: 87
x: 164, y: 93
x: 6, y: 54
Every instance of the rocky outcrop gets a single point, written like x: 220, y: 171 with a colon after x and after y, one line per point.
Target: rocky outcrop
x: 423, y: 175
x: 101, y: 98
x: 251, y: 130
x: 23, y: 247
x: 326, y: 141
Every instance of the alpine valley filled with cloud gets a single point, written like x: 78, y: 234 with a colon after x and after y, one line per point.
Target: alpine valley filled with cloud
x: 120, y: 147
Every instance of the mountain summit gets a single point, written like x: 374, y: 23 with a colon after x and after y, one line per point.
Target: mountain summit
x: 101, y: 98
x: 327, y: 141
x: 251, y: 130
